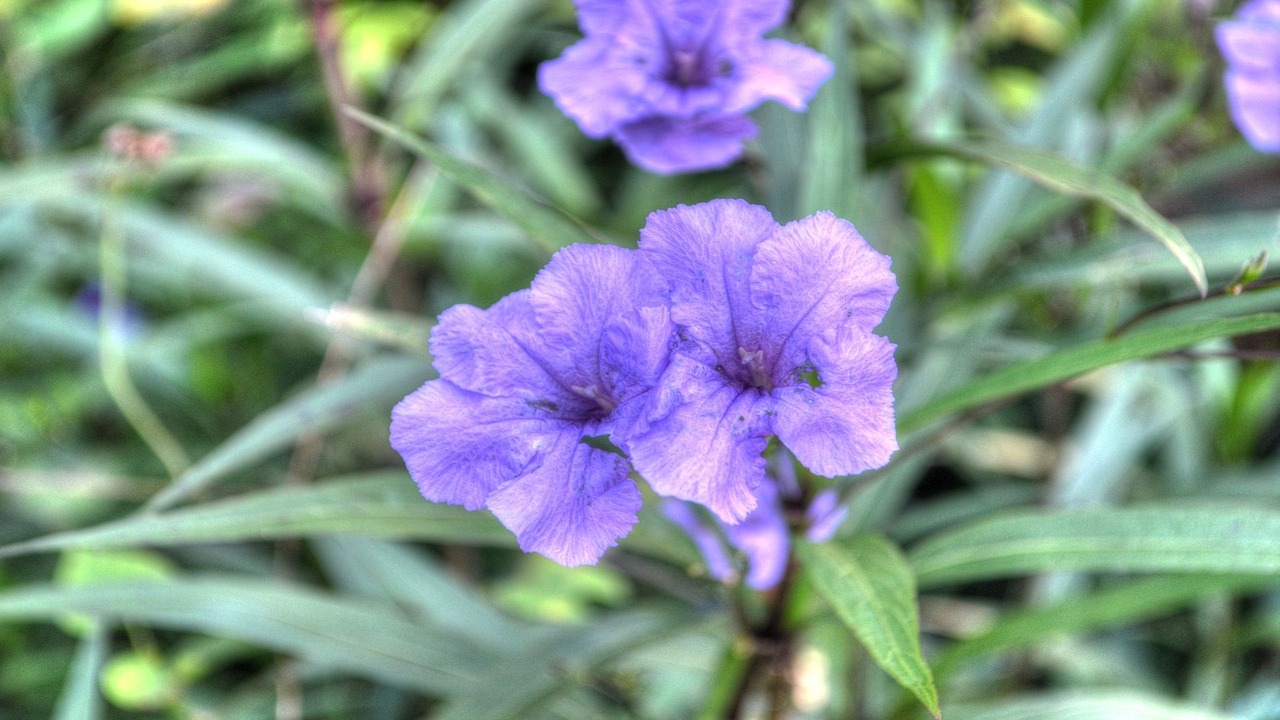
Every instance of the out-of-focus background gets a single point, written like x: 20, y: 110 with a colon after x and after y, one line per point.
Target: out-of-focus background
x: 214, y: 284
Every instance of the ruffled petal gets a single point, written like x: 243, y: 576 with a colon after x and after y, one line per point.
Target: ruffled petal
x: 459, y: 446
x: 707, y: 448
x: 777, y: 70
x: 573, y: 503
x: 670, y: 145
x: 634, y: 351
x: 705, y: 252
x: 495, y: 352
x: 815, y: 275
x: 844, y: 425
x: 601, y: 83
x: 762, y: 537
x: 1254, y: 100
x: 583, y: 290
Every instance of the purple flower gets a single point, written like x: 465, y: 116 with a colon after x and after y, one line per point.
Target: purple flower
x: 1251, y: 45
x: 524, y: 383
x: 672, y: 80
x: 775, y: 325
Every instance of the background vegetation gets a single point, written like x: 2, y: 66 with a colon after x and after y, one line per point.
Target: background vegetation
x: 201, y: 516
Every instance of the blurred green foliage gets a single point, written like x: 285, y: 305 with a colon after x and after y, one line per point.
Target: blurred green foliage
x: 1096, y: 546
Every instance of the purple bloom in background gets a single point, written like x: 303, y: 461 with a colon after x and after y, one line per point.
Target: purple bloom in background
x: 1251, y: 45
x: 775, y: 325
x: 523, y: 383
x: 672, y: 80
x: 89, y: 302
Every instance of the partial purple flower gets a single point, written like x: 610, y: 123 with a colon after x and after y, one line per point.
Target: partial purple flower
x: 1251, y: 45
x: 775, y: 325
x: 672, y: 80
x: 132, y: 322
x: 524, y: 383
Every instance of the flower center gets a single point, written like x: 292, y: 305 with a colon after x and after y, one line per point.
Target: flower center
x: 591, y: 392
x: 754, y: 363
x: 686, y: 69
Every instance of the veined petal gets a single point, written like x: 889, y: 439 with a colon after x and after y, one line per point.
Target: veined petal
x: 495, y: 352
x: 573, y: 503
x: 459, y: 446
x: 845, y: 425
x: 1255, y: 106
x: 752, y: 18
x: 707, y: 449
x: 581, y: 292
x: 777, y: 70
x: 814, y: 275
x: 672, y: 145
x: 705, y: 252
x: 634, y: 351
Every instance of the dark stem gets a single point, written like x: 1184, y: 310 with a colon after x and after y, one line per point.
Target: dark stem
x: 772, y: 648
x: 1228, y: 289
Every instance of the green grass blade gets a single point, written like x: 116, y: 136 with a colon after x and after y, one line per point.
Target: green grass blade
x: 1149, y: 539
x: 868, y: 583
x: 80, y: 699
x: 377, y: 384
x: 368, y: 639
x: 549, y: 227
x: 1087, y: 705
x: 386, y: 505
x: 1057, y: 173
x: 1072, y: 361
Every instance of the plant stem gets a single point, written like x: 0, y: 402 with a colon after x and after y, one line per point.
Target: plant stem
x: 111, y: 350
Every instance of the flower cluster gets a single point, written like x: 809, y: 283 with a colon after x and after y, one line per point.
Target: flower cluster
x: 722, y: 329
x: 672, y: 80
x: 1251, y: 45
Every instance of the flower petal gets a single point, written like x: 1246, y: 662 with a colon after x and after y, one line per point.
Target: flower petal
x: 1255, y: 106
x: 762, y: 537
x: 752, y: 18
x: 583, y: 290
x: 572, y: 504
x: 709, y: 543
x: 458, y: 445
x: 777, y: 70
x: 634, y: 351
x: 1249, y: 45
x: 707, y: 448
x: 845, y: 425
x: 704, y: 252
x: 601, y: 83
x: 814, y: 275
x: 672, y: 145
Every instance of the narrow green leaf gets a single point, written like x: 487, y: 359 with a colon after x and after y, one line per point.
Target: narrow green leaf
x: 1058, y: 173
x: 376, y: 384
x: 835, y: 137
x: 1148, y: 539
x: 1123, y: 603
x: 79, y: 699
x: 1088, y: 705
x: 368, y: 639
x: 385, y: 505
x: 551, y: 228
x: 1072, y: 361
x: 517, y: 687
x: 868, y: 583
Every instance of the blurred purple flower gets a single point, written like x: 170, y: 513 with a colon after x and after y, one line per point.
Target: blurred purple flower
x: 775, y: 325
x: 89, y: 302
x: 672, y: 80
x: 762, y: 536
x: 1251, y: 45
x: 524, y: 383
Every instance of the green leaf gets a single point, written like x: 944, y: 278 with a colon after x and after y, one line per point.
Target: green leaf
x: 1057, y: 173
x: 551, y: 228
x: 1122, y: 603
x: 79, y: 699
x: 1072, y: 361
x: 868, y: 583
x: 1149, y: 539
x: 368, y: 639
x: 515, y: 688
x: 385, y: 505
x: 1088, y: 705
x: 376, y: 384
